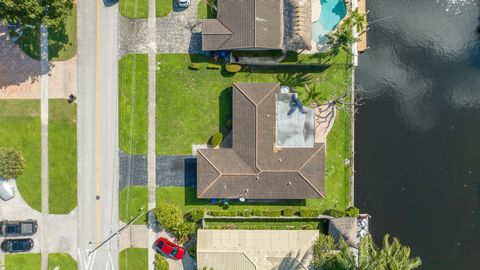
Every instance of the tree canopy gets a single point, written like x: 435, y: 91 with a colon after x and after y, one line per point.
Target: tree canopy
x: 12, y: 163
x: 50, y: 13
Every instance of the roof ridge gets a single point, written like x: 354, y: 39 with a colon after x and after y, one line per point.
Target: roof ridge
x: 215, y: 168
x: 305, y: 178
x: 256, y: 124
x: 245, y: 94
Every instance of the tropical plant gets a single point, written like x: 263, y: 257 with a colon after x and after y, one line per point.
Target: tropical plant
x: 358, y: 20
x: 392, y: 256
x: 311, y: 95
x: 328, y: 255
x: 35, y: 13
x: 12, y: 163
x: 294, y: 79
x: 342, y: 38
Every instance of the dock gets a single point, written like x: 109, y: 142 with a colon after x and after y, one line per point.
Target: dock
x: 362, y: 38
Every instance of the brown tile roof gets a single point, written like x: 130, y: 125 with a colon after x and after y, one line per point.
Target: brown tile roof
x: 244, y: 24
x: 254, y: 167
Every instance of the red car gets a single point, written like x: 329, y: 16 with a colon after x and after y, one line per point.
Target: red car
x: 163, y: 245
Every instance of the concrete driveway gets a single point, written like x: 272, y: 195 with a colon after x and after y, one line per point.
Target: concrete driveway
x: 62, y: 229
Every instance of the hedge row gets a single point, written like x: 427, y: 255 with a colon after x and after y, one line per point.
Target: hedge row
x: 288, y: 212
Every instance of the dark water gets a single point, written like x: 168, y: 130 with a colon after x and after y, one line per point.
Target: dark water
x: 418, y: 134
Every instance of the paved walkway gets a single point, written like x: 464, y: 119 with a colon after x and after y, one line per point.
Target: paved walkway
x: 170, y: 170
x: 151, y: 122
x: 20, y: 74
x: 44, y: 150
x: 174, y: 33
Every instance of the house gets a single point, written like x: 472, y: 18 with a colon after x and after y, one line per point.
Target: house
x: 255, y: 249
x: 274, y: 154
x: 245, y: 24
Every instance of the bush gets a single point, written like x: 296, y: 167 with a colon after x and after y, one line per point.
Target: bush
x: 309, y: 213
x: 183, y: 230
x: 228, y: 124
x: 216, y: 139
x: 334, y: 213
x: 168, y: 215
x: 257, y: 213
x: 352, y: 211
x: 233, y: 68
x: 196, y: 215
x: 213, y: 66
x: 271, y: 213
x: 160, y: 262
x: 227, y: 213
x: 246, y: 213
x: 287, y: 212
x: 194, y: 66
x: 192, y: 250
x: 12, y: 163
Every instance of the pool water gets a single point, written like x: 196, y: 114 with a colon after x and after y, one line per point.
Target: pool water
x: 332, y: 12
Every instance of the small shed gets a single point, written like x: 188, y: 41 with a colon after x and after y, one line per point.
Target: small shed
x: 346, y: 228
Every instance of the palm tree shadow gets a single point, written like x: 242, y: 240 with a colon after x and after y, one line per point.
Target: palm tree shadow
x: 296, y: 262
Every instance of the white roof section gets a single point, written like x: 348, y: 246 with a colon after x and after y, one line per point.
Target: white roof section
x: 255, y: 249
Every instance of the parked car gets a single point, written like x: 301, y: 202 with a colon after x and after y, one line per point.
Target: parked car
x: 17, y: 245
x: 7, y: 189
x: 184, y: 3
x: 165, y: 246
x: 18, y: 228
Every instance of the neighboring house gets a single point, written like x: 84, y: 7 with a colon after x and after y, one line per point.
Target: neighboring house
x: 274, y: 154
x: 245, y: 24
x: 255, y: 249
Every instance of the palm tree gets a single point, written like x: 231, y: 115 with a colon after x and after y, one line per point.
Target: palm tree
x: 359, y: 20
x: 341, y: 39
x: 397, y: 257
x: 392, y: 256
x: 311, y: 95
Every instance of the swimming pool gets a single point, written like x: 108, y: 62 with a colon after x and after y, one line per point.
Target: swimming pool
x: 332, y: 12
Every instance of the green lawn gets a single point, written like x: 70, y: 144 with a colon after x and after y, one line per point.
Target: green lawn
x: 206, y: 11
x: 133, y: 103
x: 30, y: 261
x: 163, y: 7
x: 63, y: 260
x: 62, y: 156
x: 20, y: 129
x: 194, y: 104
x: 62, y: 42
x: 130, y: 200
x: 134, y: 259
x: 134, y: 8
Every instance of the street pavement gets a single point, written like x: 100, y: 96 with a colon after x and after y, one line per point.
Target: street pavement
x: 97, y: 134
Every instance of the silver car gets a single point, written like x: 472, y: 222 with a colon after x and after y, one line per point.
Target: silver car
x: 7, y: 189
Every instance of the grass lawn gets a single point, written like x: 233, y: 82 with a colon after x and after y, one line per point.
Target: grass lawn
x: 30, y: 261
x: 134, y: 8
x: 133, y: 102
x: 206, y: 11
x: 62, y: 156
x: 134, y: 259
x: 163, y: 7
x: 62, y: 43
x: 130, y: 200
x: 20, y: 129
x: 267, y: 225
x: 63, y: 260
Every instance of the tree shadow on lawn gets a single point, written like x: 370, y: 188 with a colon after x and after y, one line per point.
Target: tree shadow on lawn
x: 225, y: 110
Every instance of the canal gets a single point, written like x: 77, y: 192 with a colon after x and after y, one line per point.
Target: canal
x: 418, y: 132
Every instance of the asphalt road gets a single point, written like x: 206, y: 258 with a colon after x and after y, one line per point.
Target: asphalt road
x: 97, y: 134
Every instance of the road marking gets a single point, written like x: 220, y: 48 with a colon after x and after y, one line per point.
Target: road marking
x: 97, y: 122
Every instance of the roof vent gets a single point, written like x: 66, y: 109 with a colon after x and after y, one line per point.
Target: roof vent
x: 279, y: 160
x: 289, y: 183
x: 258, y: 177
x: 268, y: 115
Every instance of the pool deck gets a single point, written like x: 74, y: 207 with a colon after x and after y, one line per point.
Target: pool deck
x: 362, y: 39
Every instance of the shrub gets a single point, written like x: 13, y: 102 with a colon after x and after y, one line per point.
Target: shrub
x: 257, y: 212
x: 183, y: 230
x: 233, y: 68
x: 192, y: 250
x: 169, y: 215
x: 228, y: 213
x: 246, y: 213
x: 194, y: 66
x: 160, y: 262
x: 271, y: 213
x: 287, y: 212
x: 196, y: 215
x: 228, y: 124
x: 216, y: 139
x: 352, y: 211
x: 12, y: 163
x: 213, y: 66
x: 309, y: 213
x: 334, y: 213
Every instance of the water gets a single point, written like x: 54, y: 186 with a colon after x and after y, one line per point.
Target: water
x: 418, y: 134
x: 332, y: 12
